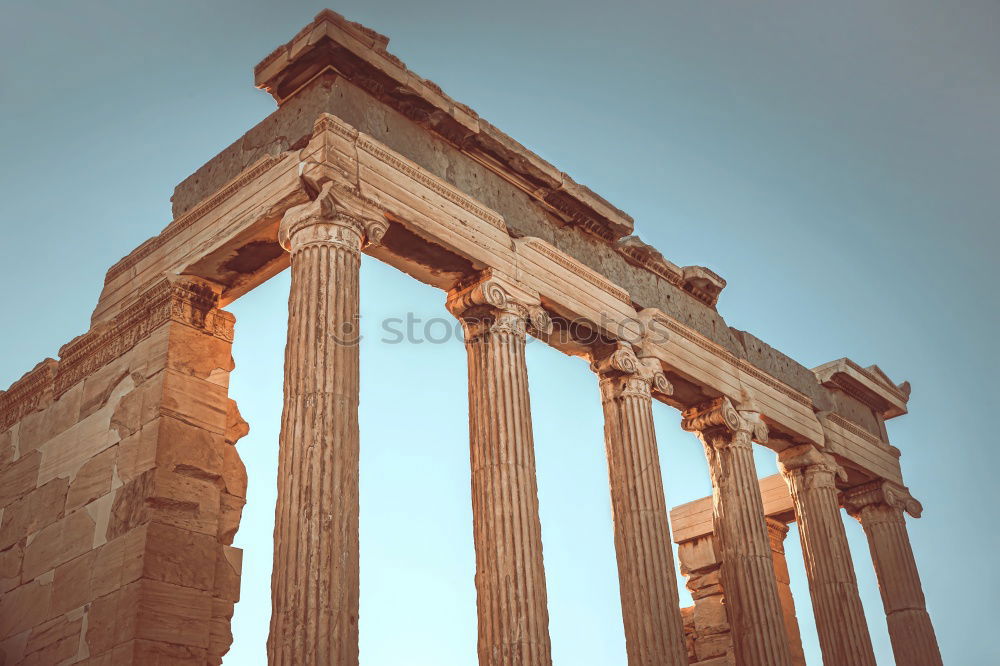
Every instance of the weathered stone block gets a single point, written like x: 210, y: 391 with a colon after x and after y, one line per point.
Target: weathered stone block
x: 93, y: 480
x: 220, y: 634
x: 236, y: 427
x: 60, y: 542
x: 65, y: 412
x: 179, y: 556
x: 194, y: 400
x: 36, y: 510
x: 12, y: 648
x: 228, y: 567
x: 112, y: 619
x: 119, y: 562
x: 53, y: 642
x: 10, y: 566
x: 19, y: 477
x: 710, y: 616
x: 24, y: 607
x: 230, y: 512
x: 707, y: 647
x: 697, y: 555
x: 199, y: 354
x: 158, y: 653
x: 189, y: 449
x: 36, y: 429
x: 71, y: 587
x: 234, y: 472
x: 170, y: 498
x: 98, y: 387
x: 8, y: 445
x: 174, y: 614
x: 137, y: 453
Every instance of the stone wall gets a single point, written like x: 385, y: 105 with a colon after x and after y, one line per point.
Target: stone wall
x: 121, y: 491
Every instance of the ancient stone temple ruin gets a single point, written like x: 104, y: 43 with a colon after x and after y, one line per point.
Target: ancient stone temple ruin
x: 120, y: 483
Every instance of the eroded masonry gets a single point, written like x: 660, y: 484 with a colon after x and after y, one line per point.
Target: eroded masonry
x: 120, y: 484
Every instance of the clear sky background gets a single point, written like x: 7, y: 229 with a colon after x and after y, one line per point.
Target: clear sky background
x: 838, y: 163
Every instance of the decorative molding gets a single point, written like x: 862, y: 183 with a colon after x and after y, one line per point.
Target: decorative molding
x: 330, y: 122
x: 852, y: 427
x: 576, y: 267
x: 28, y: 394
x: 879, y: 378
x: 189, y: 218
x: 171, y: 299
x: 737, y: 362
x: 449, y: 192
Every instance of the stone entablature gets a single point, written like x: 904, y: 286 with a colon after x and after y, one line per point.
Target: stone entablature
x: 429, y: 208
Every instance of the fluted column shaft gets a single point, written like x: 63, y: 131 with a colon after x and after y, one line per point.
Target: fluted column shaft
x: 840, y: 618
x: 314, y: 584
x: 654, y: 630
x: 911, y: 632
x: 510, y: 577
x: 777, y: 531
x: 738, y: 520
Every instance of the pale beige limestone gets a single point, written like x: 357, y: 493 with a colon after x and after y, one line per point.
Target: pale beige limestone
x: 647, y: 578
x: 879, y: 508
x: 777, y: 531
x: 510, y: 578
x: 738, y: 511
x: 314, y: 585
x: 840, y: 618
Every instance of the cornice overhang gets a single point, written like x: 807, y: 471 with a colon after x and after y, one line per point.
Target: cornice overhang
x: 333, y: 44
x: 869, y: 385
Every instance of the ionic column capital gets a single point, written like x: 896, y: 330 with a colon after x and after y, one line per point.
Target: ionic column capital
x: 496, y: 304
x: 720, y: 417
x: 880, y: 493
x: 815, y: 466
x: 623, y: 373
x: 332, y: 218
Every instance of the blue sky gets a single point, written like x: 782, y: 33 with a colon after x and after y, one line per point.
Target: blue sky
x: 837, y: 163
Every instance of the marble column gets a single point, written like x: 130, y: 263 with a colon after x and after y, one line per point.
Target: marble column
x: 840, y: 620
x: 647, y: 578
x: 314, y: 583
x: 738, y: 520
x: 879, y: 508
x: 510, y: 577
x: 777, y: 531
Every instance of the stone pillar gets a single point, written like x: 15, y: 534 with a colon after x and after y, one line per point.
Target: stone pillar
x: 510, y: 577
x: 879, y: 507
x: 314, y: 585
x: 654, y: 632
x: 777, y: 531
x: 840, y: 619
x: 738, y: 518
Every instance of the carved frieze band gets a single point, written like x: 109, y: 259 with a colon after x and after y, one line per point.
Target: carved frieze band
x: 739, y: 363
x: 192, y: 216
x: 851, y: 427
x: 29, y: 393
x: 579, y: 269
x: 186, y: 302
x: 450, y: 193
